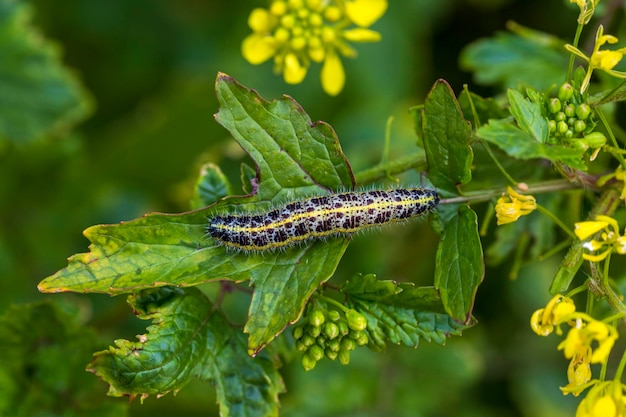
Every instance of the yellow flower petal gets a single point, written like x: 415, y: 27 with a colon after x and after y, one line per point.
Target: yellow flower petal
x: 606, y: 39
x: 333, y: 75
x: 365, y: 12
x: 294, y: 72
x: 512, y: 205
x: 578, y: 374
x: 602, y: 352
x: 604, y: 406
x: 260, y: 21
x: 596, y: 258
x: 572, y: 344
x: 361, y: 35
x: 563, y: 309
x: 542, y: 329
x: 583, y: 230
x: 609, y: 59
x: 257, y: 49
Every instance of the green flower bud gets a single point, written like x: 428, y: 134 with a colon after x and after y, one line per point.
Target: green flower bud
x: 334, y: 315
x: 316, y: 352
x: 570, y: 110
x: 321, y: 340
x: 552, y: 126
x: 580, y: 126
x: 334, y: 345
x: 331, y: 330
x: 298, y: 332
x: 579, y: 144
x: 566, y: 91
x: 595, y: 139
x: 569, y: 134
x: 362, y: 340
x: 314, y: 330
x: 300, y: 346
x: 571, y: 121
x: 343, y: 327
x: 560, y: 116
x: 316, y: 318
x: 307, y: 340
x: 308, y: 362
x: 583, y: 111
x: 330, y: 354
x: 356, y: 320
x: 554, y: 105
x: 355, y: 334
x: 561, y: 127
x: 347, y: 344
x: 344, y: 357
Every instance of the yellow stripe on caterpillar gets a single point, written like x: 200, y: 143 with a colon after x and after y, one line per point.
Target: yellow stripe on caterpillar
x: 330, y: 215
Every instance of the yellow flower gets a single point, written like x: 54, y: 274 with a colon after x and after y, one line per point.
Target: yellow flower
x: 578, y: 373
x: 605, y: 399
x: 610, y: 240
x: 604, y: 60
x: 512, y: 205
x: 581, y: 337
x: 587, y: 8
x: 558, y: 309
x: 298, y: 32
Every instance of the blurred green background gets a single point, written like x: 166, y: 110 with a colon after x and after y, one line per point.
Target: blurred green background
x: 147, y: 69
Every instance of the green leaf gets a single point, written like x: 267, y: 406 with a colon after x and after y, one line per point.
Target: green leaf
x: 446, y: 139
x: 39, y: 97
x: 189, y: 338
x: 459, y: 268
x: 294, y: 157
x: 400, y: 312
x: 519, y: 144
x: 528, y: 116
x: 44, y: 352
x: 211, y: 185
x: 511, y: 60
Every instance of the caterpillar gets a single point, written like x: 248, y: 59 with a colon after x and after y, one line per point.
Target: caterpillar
x: 317, y: 217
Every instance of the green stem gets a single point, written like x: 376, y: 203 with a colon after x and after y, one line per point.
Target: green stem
x: 385, y: 156
x: 605, y: 123
x: 599, y: 287
x: 620, y: 367
x: 555, y: 249
x: 396, y: 166
x: 556, y: 220
x: 476, y: 122
x: 486, y: 195
x: 606, y: 204
x: 498, y: 164
x: 333, y: 302
x: 572, y: 57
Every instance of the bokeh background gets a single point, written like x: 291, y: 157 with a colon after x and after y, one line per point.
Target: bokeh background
x: 148, y: 69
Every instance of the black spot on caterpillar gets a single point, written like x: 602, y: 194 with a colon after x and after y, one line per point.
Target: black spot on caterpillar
x: 316, y: 217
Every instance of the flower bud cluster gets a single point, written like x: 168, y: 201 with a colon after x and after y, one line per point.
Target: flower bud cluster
x: 329, y: 333
x: 566, y: 119
x: 570, y: 119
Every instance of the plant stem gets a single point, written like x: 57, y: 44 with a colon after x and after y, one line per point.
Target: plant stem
x: 486, y: 195
x: 556, y: 220
x: 333, y: 302
x: 390, y: 168
x: 606, y: 125
x: 570, y: 67
x: 598, y: 285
